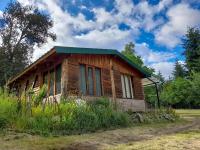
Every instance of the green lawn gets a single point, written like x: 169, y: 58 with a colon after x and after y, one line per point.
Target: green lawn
x: 188, y: 112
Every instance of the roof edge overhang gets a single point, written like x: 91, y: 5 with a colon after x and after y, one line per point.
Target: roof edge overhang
x: 47, y: 54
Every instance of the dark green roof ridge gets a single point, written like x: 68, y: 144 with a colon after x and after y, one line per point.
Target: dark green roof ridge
x: 81, y: 50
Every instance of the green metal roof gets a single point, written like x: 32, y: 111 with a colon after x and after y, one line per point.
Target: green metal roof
x: 79, y: 50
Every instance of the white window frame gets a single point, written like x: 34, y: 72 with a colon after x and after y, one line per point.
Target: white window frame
x: 127, y: 86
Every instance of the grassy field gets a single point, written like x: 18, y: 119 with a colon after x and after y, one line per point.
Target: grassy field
x: 188, y: 112
x: 173, y: 136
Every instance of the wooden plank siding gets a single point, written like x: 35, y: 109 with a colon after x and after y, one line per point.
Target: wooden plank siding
x: 111, y: 69
x: 106, y: 63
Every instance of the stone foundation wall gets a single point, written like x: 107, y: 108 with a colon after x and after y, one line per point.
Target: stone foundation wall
x: 131, y: 105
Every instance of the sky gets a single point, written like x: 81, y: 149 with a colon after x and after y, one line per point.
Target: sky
x: 155, y: 27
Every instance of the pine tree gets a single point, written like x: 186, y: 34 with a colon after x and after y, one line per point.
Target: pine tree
x: 192, y: 49
x: 179, y: 70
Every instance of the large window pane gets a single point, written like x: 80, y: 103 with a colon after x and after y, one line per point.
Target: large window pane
x: 90, y: 81
x: 45, y: 78
x: 128, y: 94
x: 58, y: 79
x: 123, y: 86
x: 131, y: 86
x: 98, y: 81
x: 82, y: 80
x: 127, y: 87
x: 51, y: 90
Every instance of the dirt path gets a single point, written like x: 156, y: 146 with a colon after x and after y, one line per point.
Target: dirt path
x: 97, y: 141
x: 114, y: 138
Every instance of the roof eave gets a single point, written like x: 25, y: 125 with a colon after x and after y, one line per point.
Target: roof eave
x: 31, y: 66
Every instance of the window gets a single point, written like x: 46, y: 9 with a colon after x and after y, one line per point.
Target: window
x: 90, y: 80
x: 52, y: 79
x: 51, y: 87
x: 45, y: 78
x: 36, y: 82
x: 27, y: 86
x: 127, y: 86
x: 58, y: 79
x: 83, y: 80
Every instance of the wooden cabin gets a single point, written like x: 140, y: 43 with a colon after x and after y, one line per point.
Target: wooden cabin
x: 85, y: 72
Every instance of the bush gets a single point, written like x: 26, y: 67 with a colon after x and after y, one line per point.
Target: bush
x: 182, y: 93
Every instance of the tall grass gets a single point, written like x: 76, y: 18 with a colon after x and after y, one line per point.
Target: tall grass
x: 72, y: 117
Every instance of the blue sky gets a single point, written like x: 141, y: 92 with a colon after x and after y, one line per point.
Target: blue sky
x: 156, y: 27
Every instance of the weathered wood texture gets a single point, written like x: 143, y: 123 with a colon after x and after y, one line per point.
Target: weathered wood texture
x: 107, y: 87
x: 103, y: 62
x: 118, y: 85
x: 70, y: 73
x: 64, y: 77
x: 138, y: 89
x: 73, y: 79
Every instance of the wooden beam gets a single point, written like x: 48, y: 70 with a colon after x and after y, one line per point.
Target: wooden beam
x: 64, y: 77
x: 112, y: 81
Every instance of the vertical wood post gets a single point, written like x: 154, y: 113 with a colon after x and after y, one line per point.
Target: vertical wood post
x: 112, y: 82
x: 64, y: 77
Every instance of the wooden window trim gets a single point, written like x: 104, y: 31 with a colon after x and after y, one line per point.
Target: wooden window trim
x: 93, y: 78
x: 132, y: 93
x: 48, y: 71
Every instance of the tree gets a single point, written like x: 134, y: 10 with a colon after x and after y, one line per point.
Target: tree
x: 21, y: 28
x: 179, y: 71
x: 192, y: 49
x: 129, y: 52
x: 176, y: 93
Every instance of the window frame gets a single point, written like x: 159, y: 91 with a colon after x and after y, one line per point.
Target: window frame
x: 130, y: 86
x: 93, y: 68
x: 47, y: 72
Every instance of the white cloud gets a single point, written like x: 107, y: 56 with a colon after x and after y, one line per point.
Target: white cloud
x: 1, y: 14
x: 166, y: 68
x: 103, y: 31
x: 180, y: 18
x: 125, y: 7
x: 150, y: 56
x: 160, y: 61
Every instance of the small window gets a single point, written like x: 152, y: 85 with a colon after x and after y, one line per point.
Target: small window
x: 58, y: 79
x: 83, y: 80
x: 127, y: 86
x: 51, y: 87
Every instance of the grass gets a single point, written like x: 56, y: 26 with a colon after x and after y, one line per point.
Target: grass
x: 179, y: 141
x: 156, y: 134
x: 104, y: 139
x: 188, y: 112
